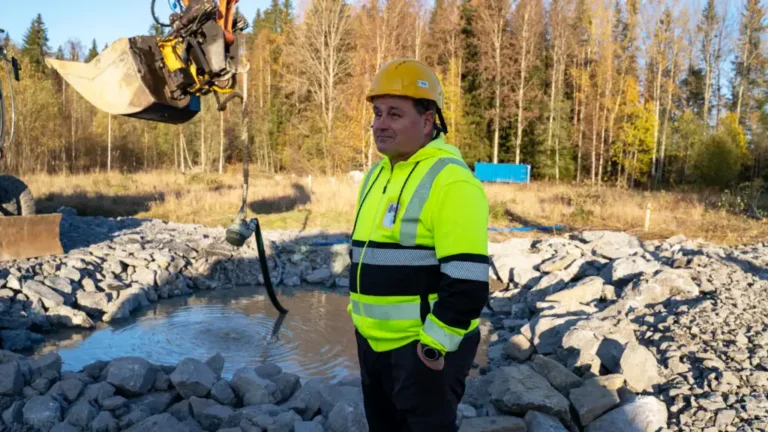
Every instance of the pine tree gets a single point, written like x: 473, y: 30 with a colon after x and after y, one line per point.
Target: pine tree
x: 93, y: 52
x: 749, y: 66
x: 35, y: 47
x: 708, y: 29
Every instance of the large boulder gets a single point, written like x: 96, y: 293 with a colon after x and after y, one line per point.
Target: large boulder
x: 253, y: 389
x: 348, y: 415
x: 68, y: 317
x: 493, y: 424
x: 610, y: 244
x: 132, y: 376
x: 35, y: 290
x: 42, y: 413
x: 585, y: 291
x: 159, y: 423
x: 193, y: 378
x: 656, y: 289
x: 639, y: 367
x: 11, y: 379
x: 645, y: 414
x: 592, y: 400
x: 561, y: 378
x: 518, y: 389
x: 625, y: 270
x: 546, y: 330
x: 130, y: 299
x: 540, y: 422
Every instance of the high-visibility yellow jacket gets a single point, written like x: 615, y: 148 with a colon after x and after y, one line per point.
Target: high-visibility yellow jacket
x: 419, y: 251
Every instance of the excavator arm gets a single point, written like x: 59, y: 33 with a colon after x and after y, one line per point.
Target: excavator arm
x: 162, y: 78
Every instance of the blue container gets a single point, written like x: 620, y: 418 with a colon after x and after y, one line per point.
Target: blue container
x: 503, y: 173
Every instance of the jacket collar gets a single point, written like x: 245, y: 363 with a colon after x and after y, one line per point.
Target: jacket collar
x: 436, y: 147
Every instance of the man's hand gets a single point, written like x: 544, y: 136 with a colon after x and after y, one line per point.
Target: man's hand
x: 434, y: 365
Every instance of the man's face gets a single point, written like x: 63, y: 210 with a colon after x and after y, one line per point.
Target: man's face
x: 398, y: 129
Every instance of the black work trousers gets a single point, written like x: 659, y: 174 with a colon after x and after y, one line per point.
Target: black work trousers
x: 402, y: 394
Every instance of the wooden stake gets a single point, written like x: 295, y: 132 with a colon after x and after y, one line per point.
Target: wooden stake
x: 647, y: 216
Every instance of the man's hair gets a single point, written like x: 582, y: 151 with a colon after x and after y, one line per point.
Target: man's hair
x: 425, y: 105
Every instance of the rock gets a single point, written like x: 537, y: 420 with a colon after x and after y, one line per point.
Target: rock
x: 134, y: 417
x: 104, y: 422
x: 14, y: 414
x: 159, y: 423
x: 644, y: 414
x: 591, y: 401
x: 222, y: 393
x: 132, y: 376
x: 199, y: 405
x: 547, y: 286
x: 162, y: 381
x: 493, y: 424
x: 193, y: 378
x: 668, y: 283
x: 144, y: 276
x: 216, y: 363
x: 48, y: 363
x: 68, y: 389
x: 129, y: 300
x: 540, y: 422
x: 723, y: 420
x: 518, y: 389
x: 11, y: 379
x: 182, y: 410
x: 561, y: 378
x: 625, y: 270
x: 287, y: 384
x: 65, y: 427
x: 546, y: 332
x: 155, y: 403
x: 611, y: 382
x: 519, y: 347
x: 66, y: 316
x: 348, y: 415
x: 94, y: 303
x: 557, y: 263
x: 320, y: 275
x: 639, y: 367
x: 36, y: 290
x: 60, y: 284
x: 99, y: 392
x: 253, y: 389
x: 82, y: 414
x: 71, y: 274
x: 308, y: 426
x: 114, y: 403
x: 525, y: 277
x: 42, y: 413
x: 268, y: 370
x: 212, y: 418
x: 19, y: 340
x: 610, y: 244
x: 585, y: 291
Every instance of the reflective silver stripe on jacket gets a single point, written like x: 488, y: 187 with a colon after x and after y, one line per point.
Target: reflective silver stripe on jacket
x: 394, y: 257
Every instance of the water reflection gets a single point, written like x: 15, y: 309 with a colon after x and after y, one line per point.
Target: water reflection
x: 315, y: 339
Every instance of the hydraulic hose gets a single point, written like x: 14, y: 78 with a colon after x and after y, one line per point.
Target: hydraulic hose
x: 265, y: 271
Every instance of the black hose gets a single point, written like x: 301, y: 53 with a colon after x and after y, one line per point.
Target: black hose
x: 154, y: 16
x: 265, y: 271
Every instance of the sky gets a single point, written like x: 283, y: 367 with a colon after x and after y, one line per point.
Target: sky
x: 105, y: 20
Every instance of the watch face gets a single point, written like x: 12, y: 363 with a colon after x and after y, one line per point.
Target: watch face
x: 431, y: 353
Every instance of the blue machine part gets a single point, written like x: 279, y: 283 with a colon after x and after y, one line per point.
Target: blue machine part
x: 503, y: 173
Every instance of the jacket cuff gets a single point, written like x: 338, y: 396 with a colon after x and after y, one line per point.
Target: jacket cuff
x: 440, y: 336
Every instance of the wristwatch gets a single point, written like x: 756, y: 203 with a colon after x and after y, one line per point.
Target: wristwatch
x: 430, y: 353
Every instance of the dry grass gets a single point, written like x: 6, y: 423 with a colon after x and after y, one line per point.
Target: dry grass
x: 285, y: 202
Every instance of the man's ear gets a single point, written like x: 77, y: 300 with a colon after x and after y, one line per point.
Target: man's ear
x: 430, y: 120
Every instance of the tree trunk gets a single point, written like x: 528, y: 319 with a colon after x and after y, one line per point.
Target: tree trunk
x: 202, y: 139
x: 497, y: 101
x: 521, y: 90
x: 109, y: 145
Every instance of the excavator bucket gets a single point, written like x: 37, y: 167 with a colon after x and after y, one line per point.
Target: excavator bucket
x: 29, y: 236
x: 128, y: 78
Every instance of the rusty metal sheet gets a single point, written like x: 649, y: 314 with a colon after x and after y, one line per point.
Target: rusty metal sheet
x: 112, y: 82
x: 30, y: 236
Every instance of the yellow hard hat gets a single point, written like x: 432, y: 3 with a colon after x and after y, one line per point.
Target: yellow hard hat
x: 407, y: 77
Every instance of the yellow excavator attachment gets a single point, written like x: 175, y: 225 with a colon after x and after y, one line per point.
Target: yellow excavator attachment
x: 129, y: 78
x: 29, y: 236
